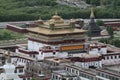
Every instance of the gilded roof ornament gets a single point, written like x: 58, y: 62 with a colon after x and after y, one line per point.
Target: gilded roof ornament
x: 92, y: 13
x: 56, y: 13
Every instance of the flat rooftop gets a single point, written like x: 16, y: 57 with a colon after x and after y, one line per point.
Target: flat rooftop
x: 115, y: 68
x: 88, y: 71
x: 64, y: 73
x: 58, y: 60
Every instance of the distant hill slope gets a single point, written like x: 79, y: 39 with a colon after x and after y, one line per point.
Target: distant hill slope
x: 74, y: 3
x: 16, y: 10
x: 22, y: 10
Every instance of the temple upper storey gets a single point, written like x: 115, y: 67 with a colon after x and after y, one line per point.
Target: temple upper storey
x: 56, y: 25
x: 56, y: 22
x: 57, y: 31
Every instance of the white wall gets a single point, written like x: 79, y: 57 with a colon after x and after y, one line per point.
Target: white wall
x: 41, y: 56
x: 101, y: 51
x: 34, y: 46
x: 111, y: 60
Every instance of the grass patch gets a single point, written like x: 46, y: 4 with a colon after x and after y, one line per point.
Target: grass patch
x: 9, y: 35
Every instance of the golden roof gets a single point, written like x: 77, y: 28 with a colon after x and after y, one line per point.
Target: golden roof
x: 56, y: 20
x: 56, y: 17
x: 51, y: 32
x: 56, y: 25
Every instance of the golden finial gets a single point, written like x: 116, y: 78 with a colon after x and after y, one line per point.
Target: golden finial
x: 92, y: 13
x: 56, y: 13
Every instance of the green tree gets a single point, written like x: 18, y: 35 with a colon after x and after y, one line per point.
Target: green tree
x: 35, y: 78
x: 87, y: 1
x: 104, y: 40
x: 117, y: 42
x: 9, y: 35
x: 95, y: 2
x: 100, y: 22
x: 110, y: 31
x: 22, y: 10
x: 106, y: 2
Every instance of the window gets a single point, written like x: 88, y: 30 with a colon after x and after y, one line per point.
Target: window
x: 98, y: 73
x: 107, y: 76
x: 56, y: 77
x: 96, y: 64
x: 24, y: 79
x: 28, y: 79
x: 107, y: 57
x: 63, y: 79
x: 99, y: 48
x: 102, y: 75
x: 20, y: 70
x: 15, y: 70
x: 53, y: 76
x: 83, y: 75
x: 54, y: 53
x: 33, y: 56
x: 73, y: 70
x: 115, y: 57
x: 39, y: 72
x: 76, y: 72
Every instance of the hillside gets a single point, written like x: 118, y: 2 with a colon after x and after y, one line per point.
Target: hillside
x: 12, y: 10
x: 17, y: 10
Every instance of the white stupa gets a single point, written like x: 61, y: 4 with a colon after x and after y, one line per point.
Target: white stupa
x: 9, y: 69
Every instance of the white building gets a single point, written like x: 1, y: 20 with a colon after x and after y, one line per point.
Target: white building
x: 53, y: 38
x: 9, y: 71
x: 14, y: 69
